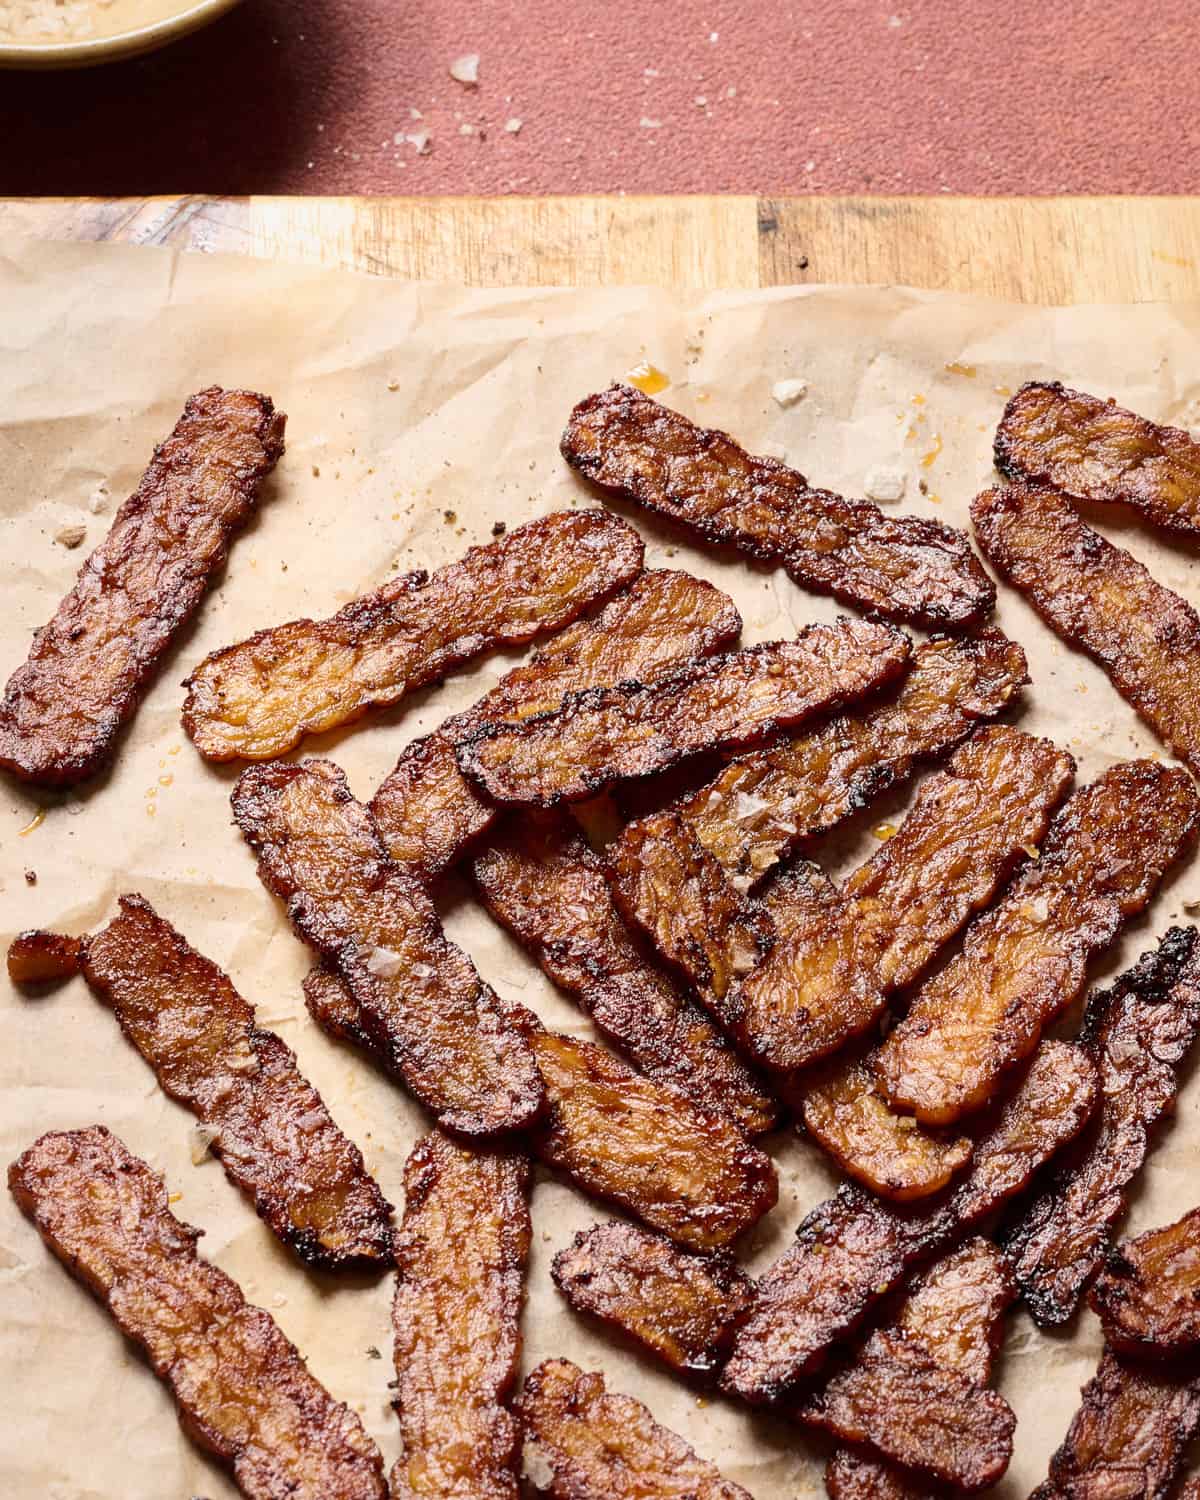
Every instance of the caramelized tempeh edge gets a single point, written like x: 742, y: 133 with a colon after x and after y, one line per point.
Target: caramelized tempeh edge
x: 898, y: 567
x: 1148, y: 1296
x: 1140, y: 1033
x: 460, y: 1258
x: 259, y: 698
x: 88, y: 668
x: 427, y: 1011
x: 243, y: 1391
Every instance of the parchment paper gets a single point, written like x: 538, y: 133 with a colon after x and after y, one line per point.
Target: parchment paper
x: 419, y: 416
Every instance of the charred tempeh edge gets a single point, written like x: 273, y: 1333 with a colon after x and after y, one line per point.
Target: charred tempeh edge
x: 419, y: 997
x: 37, y: 957
x: 954, y: 1314
x: 428, y: 813
x: 243, y: 1391
x: 89, y: 667
x: 830, y: 979
x: 1148, y: 1295
x: 853, y: 1249
x: 897, y: 567
x: 259, y: 698
x: 594, y: 1445
x: 264, y: 1121
x: 1140, y: 1033
x: 460, y: 1258
x: 683, y: 1308
x: 1025, y: 960
x: 1100, y: 599
x: 540, y: 878
x: 1128, y: 1437
x: 1097, y: 450
x: 606, y: 735
x: 767, y: 802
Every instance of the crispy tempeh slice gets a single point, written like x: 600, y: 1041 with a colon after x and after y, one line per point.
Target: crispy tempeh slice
x: 897, y: 567
x: 1026, y: 959
x: 428, y: 813
x: 852, y: 1249
x: 683, y: 1308
x: 1140, y: 1032
x: 1097, y: 450
x: 765, y: 803
x: 243, y: 1390
x: 419, y: 997
x: 609, y: 734
x: 1128, y: 1437
x: 38, y: 957
x: 830, y: 979
x: 1102, y: 600
x: 263, y: 1120
x: 1148, y: 1295
x: 460, y: 1257
x: 89, y: 667
x: 260, y: 697
x: 593, y: 1445
x: 541, y: 879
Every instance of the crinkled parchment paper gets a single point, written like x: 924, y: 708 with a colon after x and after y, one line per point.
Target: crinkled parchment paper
x: 420, y: 416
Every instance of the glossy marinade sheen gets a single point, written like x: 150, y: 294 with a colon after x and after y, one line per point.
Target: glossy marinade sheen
x: 37, y: 957
x: 1140, y: 1032
x: 540, y: 878
x: 243, y: 1391
x: 88, y: 668
x: 1148, y: 1295
x: 897, y: 567
x: 606, y: 735
x: 259, y: 698
x: 1100, y: 599
x: 1025, y: 960
x: 429, y: 1013
x: 428, y: 813
x: 461, y: 1251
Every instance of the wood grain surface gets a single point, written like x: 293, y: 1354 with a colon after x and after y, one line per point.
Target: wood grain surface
x: 1051, y: 250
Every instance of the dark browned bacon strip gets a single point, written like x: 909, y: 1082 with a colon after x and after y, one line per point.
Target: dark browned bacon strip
x: 37, y: 957
x: 1148, y: 1295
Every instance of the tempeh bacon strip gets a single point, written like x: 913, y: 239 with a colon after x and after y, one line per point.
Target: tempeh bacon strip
x: 243, y: 1391
x: 592, y: 1445
x: 417, y: 995
x: 1140, y: 1032
x: 898, y: 567
x: 1097, y: 450
x: 460, y: 1259
x: 605, y: 735
x: 89, y: 667
x: 853, y: 1249
x: 1148, y: 1295
x: 1025, y: 960
x: 428, y: 813
x: 540, y: 878
x: 1100, y: 599
x: 259, y: 698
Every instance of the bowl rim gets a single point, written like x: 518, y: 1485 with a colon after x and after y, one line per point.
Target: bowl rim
x: 89, y: 52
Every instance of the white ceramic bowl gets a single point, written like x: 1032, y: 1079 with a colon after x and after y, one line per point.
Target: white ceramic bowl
x: 179, y: 17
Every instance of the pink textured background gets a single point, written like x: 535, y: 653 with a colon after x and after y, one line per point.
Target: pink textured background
x: 963, y: 96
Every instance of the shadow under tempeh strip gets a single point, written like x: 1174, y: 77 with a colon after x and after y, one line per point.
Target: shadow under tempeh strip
x: 1148, y: 1295
x: 1100, y: 599
x: 1140, y: 1033
x: 1025, y: 960
x: 89, y: 667
x: 243, y: 1391
x: 460, y: 1256
x: 266, y: 1123
x: 428, y: 813
x: 543, y: 882
x: 1129, y: 1435
x: 683, y: 1308
x: 1097, y: 450
x: 592, y: 1445
x: 259, y: 698
x: 853, y: 1249
x: 898, y: 567
x: 439, y: 1026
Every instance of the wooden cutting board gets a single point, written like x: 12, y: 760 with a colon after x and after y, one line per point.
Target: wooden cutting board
x: 1051, y: 250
